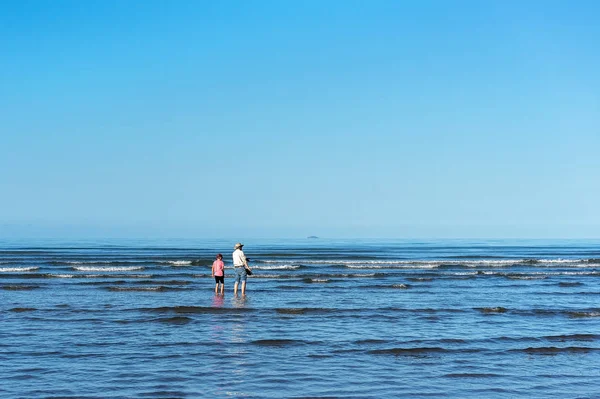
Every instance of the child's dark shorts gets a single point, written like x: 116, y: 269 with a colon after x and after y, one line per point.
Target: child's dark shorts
x: 220, y: 279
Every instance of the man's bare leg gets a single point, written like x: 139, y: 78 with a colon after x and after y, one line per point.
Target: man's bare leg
x: 243, y: 288
x: 235, y: 288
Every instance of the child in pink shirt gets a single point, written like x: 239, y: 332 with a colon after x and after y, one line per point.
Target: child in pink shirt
x: 218, y: 268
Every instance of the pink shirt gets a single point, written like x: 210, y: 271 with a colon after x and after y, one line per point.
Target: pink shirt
x: 218, y: 267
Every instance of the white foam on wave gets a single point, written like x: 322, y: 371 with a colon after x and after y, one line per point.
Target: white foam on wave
x: 61, y: 275
x: 116, y: 276
x: 527, y: 277
x: 561, y: 260
x: 19, y: 269
x: 179, y: 262
x: 422, y: 265
x: 586, y: 273
x: 277, y: 267
x: 536, y: 275
x: 265, y: 276
x: 107, y: 269
x: 594, y: 273
x: 355, y: 262
x: 436, y: 262
x: 99, y: 262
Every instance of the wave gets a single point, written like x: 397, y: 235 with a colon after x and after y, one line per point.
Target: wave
x: 107, y: 269
x: 310, y: 280
x: 538, y: 312
x: 177, y: 262
x: 33, y: 276
x: 100, y: 262
x: 264, y: 276
x: 585, y: 273
x: 327, y: 276
x: 542, y: 274
x: 160, y: 288
x: 573, y: 337
x: 584, y: 314
x: 396, y: 266
x: 472, y: 375
x: 163, y: 282
x: 495, y: 310
x: 19, y: 287
x: 306, y: 310
x: 401, y: 286
x: 20, y: 310
x: 278, y: 342
x: 175, y: 320
x: 593, y: 312
x: 277, y: 267
x: 196, y: 309
x: 18, y: 269
x: 552, y: 350
x: 371, y: 341
x: 105, y: 276
x: 441, y: 264
x: 409, y: 351
x: 524, y: 277
x: 423, y: 310
x: 460, y: 276
x: 137, y: 283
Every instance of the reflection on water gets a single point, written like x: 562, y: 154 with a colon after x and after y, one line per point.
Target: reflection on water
x: 239, y: 301
x: 217, y: 331
x: 218, y: 301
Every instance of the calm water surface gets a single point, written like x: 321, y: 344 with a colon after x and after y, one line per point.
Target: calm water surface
x: 321, y: 318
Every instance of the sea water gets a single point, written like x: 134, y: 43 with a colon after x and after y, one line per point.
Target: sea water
x: 320, y: 318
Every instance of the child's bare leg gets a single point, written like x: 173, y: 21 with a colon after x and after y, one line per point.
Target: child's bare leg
x: 222, y: 288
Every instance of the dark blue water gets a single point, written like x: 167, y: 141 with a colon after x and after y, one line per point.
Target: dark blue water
x: 321, y: 318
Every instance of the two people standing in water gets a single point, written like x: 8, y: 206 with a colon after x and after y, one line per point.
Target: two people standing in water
x: 240, y: 267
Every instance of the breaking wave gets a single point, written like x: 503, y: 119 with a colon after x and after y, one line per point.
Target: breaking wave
x: 18, y: 269
x: 177, y: 262
x: 107, y: 269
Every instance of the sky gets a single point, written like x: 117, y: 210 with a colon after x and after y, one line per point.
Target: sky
x: 408, y: 119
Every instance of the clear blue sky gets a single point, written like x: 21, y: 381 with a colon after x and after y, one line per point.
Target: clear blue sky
x: 294, y: 118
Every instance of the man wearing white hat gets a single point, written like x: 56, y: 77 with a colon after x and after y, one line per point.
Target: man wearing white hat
x: 239, y: 266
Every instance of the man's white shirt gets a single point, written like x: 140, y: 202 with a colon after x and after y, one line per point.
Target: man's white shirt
x: 238, y: 258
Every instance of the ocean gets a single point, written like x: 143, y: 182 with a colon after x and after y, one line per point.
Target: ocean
x: 321, y: 318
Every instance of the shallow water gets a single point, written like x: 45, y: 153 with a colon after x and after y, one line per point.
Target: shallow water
x: 321, y: 318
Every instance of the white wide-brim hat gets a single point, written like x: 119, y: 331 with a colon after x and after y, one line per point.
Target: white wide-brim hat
x: 238, y: 245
